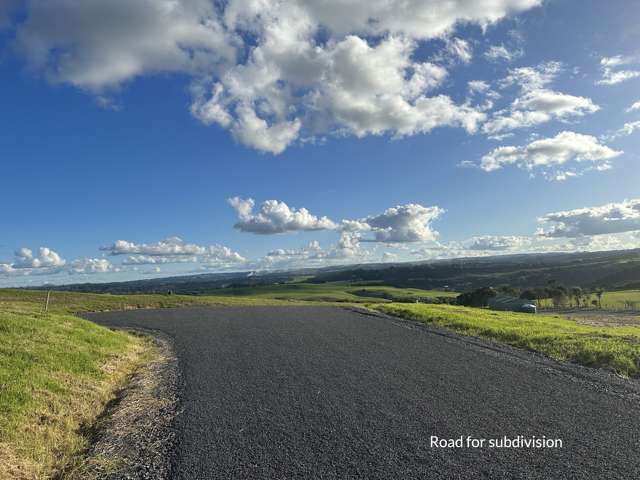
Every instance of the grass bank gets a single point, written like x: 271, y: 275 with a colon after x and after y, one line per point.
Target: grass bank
x: 57, y: 373
x: 616, y: 348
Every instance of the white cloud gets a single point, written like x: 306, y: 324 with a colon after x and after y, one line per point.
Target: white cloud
x: 626, y: 130
x: 346, y: 87
x: 606, y: 219
x: 457, y: 50
x: 498, y: 243
x: 612, y: 71
x: 478, y: 86
x: 547, y: 153
x: 173, y: 250
x: 26, y: 263
x: 269, y: 71
x: 536, y: 103
x: 499, y: 52
x: 403, y: 223
x: 94, y: 44
x: 348, y: 246
x: 158, y: 259
x: 91, y: 265
x: 46, y: 258
x: 634, y: 107
x: 313, y: 248
x: 389, y: 257
x: 532, y: 78
x: 540, y: 106
x: 346, y: 249
x: 276, y: 217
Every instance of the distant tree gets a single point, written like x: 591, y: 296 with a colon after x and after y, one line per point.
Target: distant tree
x: 576, y: 293
x: 599, y: 292
x: 529, y: 295
x: 541, y: 293
x: 476, y: 298
x: 508, y: 290
x: 558, y: 295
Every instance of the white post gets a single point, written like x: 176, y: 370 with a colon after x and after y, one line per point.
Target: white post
x: 46, y: 305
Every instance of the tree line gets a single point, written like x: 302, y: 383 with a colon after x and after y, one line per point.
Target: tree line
x: 559, y: 295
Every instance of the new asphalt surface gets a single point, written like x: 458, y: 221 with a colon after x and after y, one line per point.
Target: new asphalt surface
x: 328, y: 393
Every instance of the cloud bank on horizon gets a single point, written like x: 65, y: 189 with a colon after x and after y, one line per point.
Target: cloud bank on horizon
x: 608, y: 227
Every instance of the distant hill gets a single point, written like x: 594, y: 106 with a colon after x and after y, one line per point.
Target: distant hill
x: 611, y: 270
x: 614, y: 270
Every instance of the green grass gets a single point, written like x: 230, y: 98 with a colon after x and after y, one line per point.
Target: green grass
x: 71, y: 302
x: 57, y: 372
x: 337, y: 292
x: 621, y: 300
x: 615, y: 300
x: 616, y: 348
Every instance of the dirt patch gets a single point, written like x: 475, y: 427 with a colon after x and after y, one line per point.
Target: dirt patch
x: 134, y: 438
x: 601, y: 318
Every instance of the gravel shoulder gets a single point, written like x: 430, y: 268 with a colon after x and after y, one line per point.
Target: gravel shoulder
x: 135, y: 437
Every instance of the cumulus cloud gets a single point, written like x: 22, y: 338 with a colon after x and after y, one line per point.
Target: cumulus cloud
x: 537, y: 104
x: 606, y: 219
x: 613, y: 69
x: 402, y: 224
x: 499, y: 52
x: 91, y: 265
x: 44, y: 259
x: 276, y: 217
x: 173, y: 250
x: 346, y: 87
x: 547, y: 153
x: 348, y: 246
x: 27, y: 263
x: 95, y: 44
x: 269, y: 71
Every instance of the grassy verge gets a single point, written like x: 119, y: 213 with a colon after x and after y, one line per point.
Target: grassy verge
x: 616, y: 348
x: 57, y: 372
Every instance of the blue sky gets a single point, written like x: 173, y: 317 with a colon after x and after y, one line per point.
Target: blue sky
x: 138, y: 121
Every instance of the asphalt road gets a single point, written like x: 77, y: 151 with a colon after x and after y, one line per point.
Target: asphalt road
x: 326, y: 393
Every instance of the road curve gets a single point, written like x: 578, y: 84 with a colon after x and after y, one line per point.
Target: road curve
x: 328, y: 393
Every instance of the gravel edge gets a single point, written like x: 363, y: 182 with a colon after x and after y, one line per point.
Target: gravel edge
x: 135, y: 438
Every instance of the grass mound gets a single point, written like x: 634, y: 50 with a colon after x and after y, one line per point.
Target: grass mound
x: 616, y: 348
